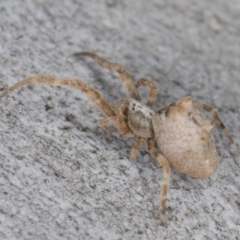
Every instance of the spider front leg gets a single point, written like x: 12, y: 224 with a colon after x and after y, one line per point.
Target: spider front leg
x: 124, y: 75
x: 92, y: 93
x: 166, y: 176
x: 119, y: 122
x: 135, y: 148
x: 124, y: 130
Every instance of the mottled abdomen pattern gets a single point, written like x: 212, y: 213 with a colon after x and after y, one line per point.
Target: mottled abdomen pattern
x: 184, y: 136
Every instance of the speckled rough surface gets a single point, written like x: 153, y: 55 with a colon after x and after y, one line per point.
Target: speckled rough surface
x: 61, y: 177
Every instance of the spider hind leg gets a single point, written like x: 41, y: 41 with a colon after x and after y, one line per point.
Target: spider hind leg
x: 166, y: 177
x: 215, y: 116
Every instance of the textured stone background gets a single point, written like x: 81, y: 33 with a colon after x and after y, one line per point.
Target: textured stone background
x: 61, y: 177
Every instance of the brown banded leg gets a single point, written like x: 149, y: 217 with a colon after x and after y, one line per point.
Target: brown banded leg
x: 119, y: 122
x: 152, y: 87
x: 124, y: 76
x: 166, y: 176
x: 215, y: 117
x: 92, y: 94
x: 135, y: 148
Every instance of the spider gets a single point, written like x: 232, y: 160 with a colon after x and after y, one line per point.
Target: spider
x: 181, y: 130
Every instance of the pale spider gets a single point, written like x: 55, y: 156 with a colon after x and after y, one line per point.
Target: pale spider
x: 182, y: 132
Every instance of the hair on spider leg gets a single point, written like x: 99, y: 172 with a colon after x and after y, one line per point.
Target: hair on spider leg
x: 179, y: 135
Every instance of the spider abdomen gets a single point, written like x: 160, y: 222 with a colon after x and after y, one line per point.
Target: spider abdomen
x: 184, y: 136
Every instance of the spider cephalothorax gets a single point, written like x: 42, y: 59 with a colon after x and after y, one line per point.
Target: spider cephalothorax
x: 182, y: 132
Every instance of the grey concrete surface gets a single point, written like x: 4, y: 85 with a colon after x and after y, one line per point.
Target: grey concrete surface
x: 61, y: 177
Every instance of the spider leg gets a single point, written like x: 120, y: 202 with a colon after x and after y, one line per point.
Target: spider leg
x: 215, y: 116
x: 124, y: 76
x: 152, y: 87
x: 93, y: 94
x: 119, y: 122
x: 166, y: 176
x: 135, y: 148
